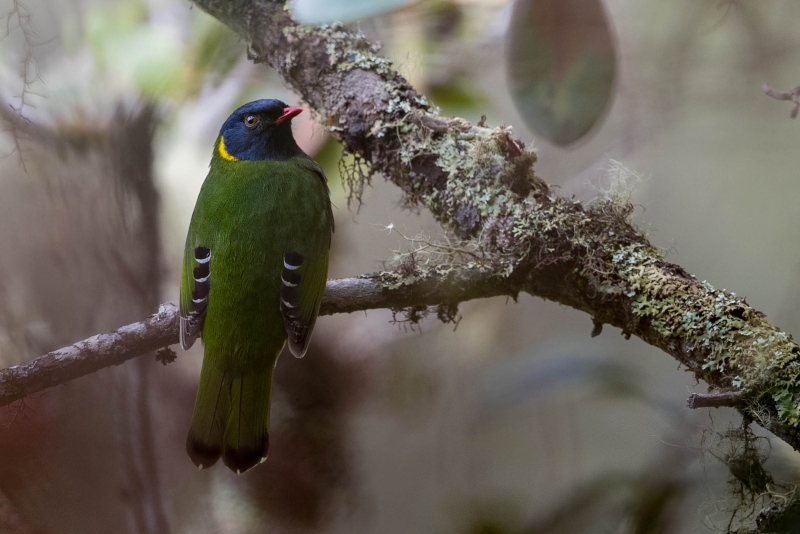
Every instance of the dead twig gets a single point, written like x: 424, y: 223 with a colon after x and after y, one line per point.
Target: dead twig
x: 793, y: 96
x: 714, y: 400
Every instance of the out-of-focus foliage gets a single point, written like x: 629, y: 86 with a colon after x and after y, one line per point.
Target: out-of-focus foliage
x: 612, y: 503
x: 561, y: 64
x: 77, y: 271
x: 327, y: 11
x: 134, y: 54
x: 518, y: 421
x: 156, y: 60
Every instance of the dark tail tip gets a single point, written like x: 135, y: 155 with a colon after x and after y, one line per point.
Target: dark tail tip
x: 240, y: 460
x: 202, y: 454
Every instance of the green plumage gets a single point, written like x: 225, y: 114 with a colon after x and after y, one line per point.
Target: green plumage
x: 256, y: 220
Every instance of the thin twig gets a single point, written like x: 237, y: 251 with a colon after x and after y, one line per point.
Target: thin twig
x: 715, y: 400
x: 792, y: 95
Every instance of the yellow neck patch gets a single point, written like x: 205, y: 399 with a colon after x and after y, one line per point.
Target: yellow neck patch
x: 223, y: 152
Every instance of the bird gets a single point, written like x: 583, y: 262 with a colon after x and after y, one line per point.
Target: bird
x: 254, y: 270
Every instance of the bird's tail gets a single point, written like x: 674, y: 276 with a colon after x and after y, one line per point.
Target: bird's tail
x: 231, y: 418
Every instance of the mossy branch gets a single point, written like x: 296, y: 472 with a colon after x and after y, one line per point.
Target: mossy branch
x: 480, y: 184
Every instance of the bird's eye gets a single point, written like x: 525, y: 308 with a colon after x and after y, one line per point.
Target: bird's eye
x: 250, y: 121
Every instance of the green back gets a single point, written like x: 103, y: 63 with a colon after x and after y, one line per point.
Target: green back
x: 251, y: 213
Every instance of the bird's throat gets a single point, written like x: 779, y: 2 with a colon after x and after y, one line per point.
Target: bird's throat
x: 223, y: 152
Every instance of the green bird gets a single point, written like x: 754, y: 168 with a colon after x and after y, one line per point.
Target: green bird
x: 254, y: 270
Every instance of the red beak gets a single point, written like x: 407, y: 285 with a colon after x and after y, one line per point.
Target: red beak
x: 288, y: 113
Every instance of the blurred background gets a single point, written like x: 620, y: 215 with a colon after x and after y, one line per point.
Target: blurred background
x: 515, y: 421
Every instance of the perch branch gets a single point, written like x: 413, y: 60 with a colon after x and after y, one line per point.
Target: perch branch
x: 346, y: 295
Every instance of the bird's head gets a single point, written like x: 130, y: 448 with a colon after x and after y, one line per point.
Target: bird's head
x: 259, y: 130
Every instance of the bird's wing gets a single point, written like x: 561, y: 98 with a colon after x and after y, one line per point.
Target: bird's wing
x: 195, y: 285
x: 303, y: 279
x: 302, y: 285
x: 309, y: 164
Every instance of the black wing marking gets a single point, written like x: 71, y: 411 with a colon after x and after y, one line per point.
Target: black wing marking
x: 193, y: 324
x: 298, y: 328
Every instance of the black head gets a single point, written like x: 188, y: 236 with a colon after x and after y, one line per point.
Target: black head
x: 260, y: 130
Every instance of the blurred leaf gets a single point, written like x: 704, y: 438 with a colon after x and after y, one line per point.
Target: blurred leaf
x: 134, y: 53
x: 651, y: 511
x: 325, y: 11
x: 215, y: 48
x: 561, y: 61
x: 498, y: 515
x: 456, y: 95
x: 636, y: 504
x: 443, y: 19
x: 518, y: 380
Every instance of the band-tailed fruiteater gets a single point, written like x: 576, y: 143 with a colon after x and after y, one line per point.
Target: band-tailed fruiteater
x: 254, y: 271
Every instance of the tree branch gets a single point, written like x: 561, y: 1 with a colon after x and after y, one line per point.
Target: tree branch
x: 793, y: 96
x: 345, y: 295
x: 714, y: 400
x: 77, y: 136
x: 20, y: 125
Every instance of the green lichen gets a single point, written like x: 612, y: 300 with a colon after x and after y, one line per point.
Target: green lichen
x: 408, y: 273
x: 396, y: 110
x: 483, y: 174
x: 346, y: 49
x: 738, y: 341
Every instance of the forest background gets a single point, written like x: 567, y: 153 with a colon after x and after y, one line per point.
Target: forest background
x: 516, y: 419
